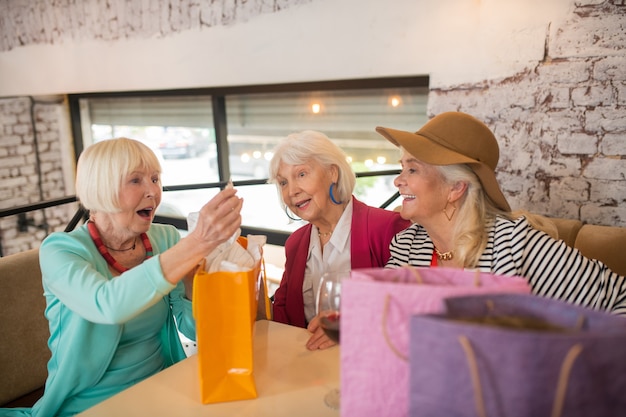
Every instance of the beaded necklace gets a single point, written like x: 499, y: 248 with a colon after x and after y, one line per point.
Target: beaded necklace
x: 95, y: 236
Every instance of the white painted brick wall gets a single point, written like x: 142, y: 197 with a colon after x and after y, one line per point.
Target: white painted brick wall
x: 19, y: 177
x: 561, y: 124
x: 45, y: 22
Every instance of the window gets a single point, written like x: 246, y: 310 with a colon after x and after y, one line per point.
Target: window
x: 179, y: 129
x: 208, y: 136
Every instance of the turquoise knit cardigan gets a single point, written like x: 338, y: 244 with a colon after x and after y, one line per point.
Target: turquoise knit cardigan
x: 87, y: 308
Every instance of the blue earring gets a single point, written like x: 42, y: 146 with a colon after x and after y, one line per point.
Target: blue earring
x: 330, y: 192
x: 295, y: 219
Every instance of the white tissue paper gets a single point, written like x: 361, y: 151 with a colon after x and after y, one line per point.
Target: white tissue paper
x: 230, y: 255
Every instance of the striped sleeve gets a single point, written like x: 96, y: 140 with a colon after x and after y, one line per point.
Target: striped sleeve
x: 514, y: 248
x: 553, y: 268
x: 412, y: 247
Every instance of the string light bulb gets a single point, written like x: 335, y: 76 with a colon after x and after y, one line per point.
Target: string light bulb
x: 395, y: 101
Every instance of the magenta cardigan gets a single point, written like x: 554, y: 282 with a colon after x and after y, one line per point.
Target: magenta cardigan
x: 372, y: 229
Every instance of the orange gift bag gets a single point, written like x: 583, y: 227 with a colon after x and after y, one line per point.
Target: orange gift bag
x: 226, y: 304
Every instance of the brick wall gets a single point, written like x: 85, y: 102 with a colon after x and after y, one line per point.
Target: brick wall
x: 45, y: 22
x: 562, y: 124
x: 30, y: 137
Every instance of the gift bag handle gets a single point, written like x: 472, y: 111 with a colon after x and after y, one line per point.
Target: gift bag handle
x: 393, y: 348
x: 418, y: 278
x: 415, y: 273
x: 267, y: 307
x: 201, y: 266
x: 561, y: 389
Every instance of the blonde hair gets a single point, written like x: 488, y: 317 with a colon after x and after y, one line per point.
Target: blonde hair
x: 103, y: 166
x: 475, y: 211
x: 309, y: 145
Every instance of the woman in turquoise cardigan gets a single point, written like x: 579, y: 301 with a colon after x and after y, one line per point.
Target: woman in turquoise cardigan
x: 316, y: 182
x: 118, y: 286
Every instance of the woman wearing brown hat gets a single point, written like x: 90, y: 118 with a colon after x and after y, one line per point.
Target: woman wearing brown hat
x: 462, y: 219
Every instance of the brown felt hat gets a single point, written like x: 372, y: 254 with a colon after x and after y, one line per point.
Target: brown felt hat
x: 455, y: 138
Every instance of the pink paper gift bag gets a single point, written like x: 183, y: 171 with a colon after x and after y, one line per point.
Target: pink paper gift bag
x: 376, y: 306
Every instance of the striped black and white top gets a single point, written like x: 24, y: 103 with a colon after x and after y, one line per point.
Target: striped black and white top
x: 514, y: 248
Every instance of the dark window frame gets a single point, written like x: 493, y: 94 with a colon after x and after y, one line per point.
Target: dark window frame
x: 218, y: 95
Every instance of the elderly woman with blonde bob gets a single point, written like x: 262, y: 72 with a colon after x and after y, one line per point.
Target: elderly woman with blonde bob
x: 119, y: 287
x: 315, y: 183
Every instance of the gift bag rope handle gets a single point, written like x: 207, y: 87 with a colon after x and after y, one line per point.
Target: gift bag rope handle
x: 561, y: 390
x: 415, y: 272
x: 419, y: 280
x: 266, y: 300
x: 394, y: 349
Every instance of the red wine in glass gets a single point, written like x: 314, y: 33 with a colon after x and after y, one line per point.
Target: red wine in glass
x: 328, y: 308
x: 330, y: 325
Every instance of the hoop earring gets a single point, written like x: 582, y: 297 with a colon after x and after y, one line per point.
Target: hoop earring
x: 449, y: 217
x: 295, y: 219
x: 330, y: 193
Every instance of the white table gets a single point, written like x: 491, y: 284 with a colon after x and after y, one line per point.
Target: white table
x: 290, y: 380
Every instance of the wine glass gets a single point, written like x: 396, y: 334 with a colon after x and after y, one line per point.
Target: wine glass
x: 328, y: 309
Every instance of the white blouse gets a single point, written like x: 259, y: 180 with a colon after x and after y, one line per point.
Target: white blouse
x: 336, y: 257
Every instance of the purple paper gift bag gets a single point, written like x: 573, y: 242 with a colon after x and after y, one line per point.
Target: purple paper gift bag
x: 376, y: 307
x: 517, y: 356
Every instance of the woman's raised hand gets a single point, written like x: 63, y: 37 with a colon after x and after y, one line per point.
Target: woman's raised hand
x: 219, y: 219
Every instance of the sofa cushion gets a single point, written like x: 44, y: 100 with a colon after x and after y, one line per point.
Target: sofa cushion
x: 568, y: 229
x: 24, y: 352
x: 604, y: 243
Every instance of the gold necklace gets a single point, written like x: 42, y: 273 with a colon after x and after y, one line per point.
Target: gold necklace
x: 446, y: 256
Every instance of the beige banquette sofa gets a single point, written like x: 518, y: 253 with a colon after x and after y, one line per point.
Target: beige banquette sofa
x: 24, y: 329
x: 605, y: 243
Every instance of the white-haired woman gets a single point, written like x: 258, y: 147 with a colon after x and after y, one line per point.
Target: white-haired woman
x: 461, y: 219
x: 118, y: 286
x: 315, y: 182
